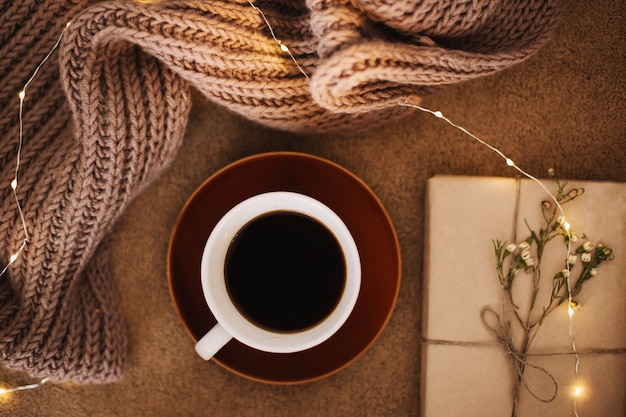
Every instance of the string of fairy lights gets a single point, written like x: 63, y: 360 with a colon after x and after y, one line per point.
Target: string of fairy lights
x: 14, y: 188
x: 14, y: 182
x: 283, y: 47
x: 280, y: 44
x: 566, y: 225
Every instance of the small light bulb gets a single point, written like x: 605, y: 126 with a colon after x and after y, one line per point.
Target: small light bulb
x: 13, y: 258
x: 14, y: 184
x: 284, y: 48
x: 566, y: 225
x: 438, y: 114
x: 510, y: 162
x: 570, y: 311
x: 22, y: 94
x: 3, y: 391
x: 577, y: 391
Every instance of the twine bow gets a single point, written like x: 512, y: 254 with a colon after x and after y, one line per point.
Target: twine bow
x: 503, y: 334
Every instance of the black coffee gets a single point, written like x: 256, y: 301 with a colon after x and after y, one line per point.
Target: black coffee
x: 285, y: 271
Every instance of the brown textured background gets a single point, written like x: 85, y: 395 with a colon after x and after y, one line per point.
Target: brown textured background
x: 564, y: 108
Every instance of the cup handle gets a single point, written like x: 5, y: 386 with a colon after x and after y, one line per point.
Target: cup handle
x: 212, y: 342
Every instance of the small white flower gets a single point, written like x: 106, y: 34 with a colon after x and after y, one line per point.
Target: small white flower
x: 585, y: 257
x: 593, y: 272
x: 523, y: 246
x: 573, y: 237
x: 511, y: 248
x: 560, y: 220
x: 587, y: 246
x: 565, y: 273
x: 572, y: 259
x: 529, y: 262
x: 525, y: 254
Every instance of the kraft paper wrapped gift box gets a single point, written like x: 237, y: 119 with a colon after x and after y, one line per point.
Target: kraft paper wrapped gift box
x: 477, y: 378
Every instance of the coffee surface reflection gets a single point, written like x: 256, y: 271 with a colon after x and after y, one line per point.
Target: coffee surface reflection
x: 285, y: 271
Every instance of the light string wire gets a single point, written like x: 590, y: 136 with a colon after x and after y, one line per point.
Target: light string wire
x: 4, y: 391
x: 281, y: 45
x: 18, y: 158
x: 15, y: 182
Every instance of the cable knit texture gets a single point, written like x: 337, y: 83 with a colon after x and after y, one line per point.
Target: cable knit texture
x: 109, y: 111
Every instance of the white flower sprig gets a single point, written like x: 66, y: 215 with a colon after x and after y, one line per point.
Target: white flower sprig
x: 526, y: 256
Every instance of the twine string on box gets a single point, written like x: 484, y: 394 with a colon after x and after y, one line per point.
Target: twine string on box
x: 502, y: 333
x: 517, y: 359
x: 594, y: 351
x: 501, y: 343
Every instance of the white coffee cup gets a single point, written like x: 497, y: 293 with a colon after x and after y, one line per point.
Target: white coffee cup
x: 231, y: 323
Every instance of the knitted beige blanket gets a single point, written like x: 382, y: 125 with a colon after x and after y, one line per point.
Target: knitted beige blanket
x: 107, y: 113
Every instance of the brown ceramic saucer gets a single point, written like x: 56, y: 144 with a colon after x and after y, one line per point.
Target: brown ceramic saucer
x: 343, y: 192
